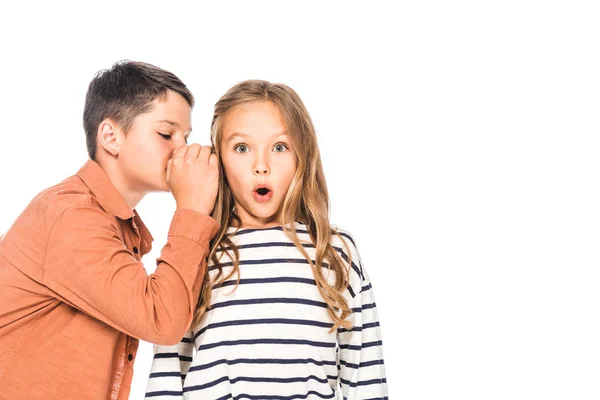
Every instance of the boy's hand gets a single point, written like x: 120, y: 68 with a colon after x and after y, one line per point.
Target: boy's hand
x: 193, y: 177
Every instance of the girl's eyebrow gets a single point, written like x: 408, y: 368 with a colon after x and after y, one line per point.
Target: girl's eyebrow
x: 242, y: 135
x: 234, y: 135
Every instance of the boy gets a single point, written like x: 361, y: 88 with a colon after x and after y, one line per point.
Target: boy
x: 74, y: 297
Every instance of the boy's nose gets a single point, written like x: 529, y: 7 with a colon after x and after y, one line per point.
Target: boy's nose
x: 179, y: 141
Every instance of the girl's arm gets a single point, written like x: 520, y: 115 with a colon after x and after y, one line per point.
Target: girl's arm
x: 360, y: 357
x: 169, y: 368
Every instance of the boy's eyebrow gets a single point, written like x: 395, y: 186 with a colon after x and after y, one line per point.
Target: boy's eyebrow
x: 242, y: 135
x: 175, y: 124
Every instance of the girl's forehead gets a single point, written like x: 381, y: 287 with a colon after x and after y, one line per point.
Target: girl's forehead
x: 256, y: 120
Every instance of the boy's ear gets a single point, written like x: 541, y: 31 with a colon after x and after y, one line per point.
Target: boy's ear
x: 109, y: 137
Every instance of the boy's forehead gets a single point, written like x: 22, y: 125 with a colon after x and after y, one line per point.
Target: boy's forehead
x: 172, y: 112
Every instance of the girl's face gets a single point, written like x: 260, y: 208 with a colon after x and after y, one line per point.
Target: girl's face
x: 259, y: 162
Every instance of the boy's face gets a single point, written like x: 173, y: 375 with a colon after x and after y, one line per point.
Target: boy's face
x: 258, y: 161
x: 150, y: 142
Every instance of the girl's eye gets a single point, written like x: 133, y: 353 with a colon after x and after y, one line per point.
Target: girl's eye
x: 241, y: 148
x: 280, y: 147
x: 164, y: 136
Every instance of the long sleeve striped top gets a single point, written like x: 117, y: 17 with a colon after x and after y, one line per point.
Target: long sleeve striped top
x: 269, y: 338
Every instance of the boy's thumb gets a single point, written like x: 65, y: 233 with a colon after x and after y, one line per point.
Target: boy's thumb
x: 169, y: 169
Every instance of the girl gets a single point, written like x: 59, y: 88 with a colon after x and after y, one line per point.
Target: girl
x: 287, y: 309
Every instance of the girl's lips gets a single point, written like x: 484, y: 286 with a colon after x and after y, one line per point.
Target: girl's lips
x: 263, y: 198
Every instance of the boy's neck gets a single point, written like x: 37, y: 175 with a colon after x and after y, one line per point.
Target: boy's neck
x: 131, y: 196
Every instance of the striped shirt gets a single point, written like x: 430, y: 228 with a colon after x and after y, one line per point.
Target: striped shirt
x: 270, y: 339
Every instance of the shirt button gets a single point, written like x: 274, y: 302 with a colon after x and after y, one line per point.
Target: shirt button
x: 135, y: 250
x: 130, y: 357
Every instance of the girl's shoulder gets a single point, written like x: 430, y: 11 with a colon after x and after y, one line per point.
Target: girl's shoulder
x: 342, y: 237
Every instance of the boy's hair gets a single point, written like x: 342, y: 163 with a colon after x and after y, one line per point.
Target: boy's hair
x: 123, y: 92
x: 307, y: 199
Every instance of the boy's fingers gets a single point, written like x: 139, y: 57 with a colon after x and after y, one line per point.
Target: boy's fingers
x: 180, y: 152
x: 193, y: 151
x: 213, y: 160
x: 169, y: 168
x: 205, y: 153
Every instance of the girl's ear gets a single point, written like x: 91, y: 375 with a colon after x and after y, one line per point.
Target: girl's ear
x: 109, y: 137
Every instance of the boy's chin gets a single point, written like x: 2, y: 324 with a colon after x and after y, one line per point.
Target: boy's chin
x: 162, y: 187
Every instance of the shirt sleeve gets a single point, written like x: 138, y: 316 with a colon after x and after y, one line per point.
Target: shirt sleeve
x: 169, y: 369
x: 89, y: 266
x: 360, y: 352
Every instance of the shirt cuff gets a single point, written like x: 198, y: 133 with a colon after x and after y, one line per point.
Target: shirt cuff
x: 193, y: 225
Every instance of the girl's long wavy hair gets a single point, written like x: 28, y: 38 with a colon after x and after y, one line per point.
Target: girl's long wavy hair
x: 307, y: 199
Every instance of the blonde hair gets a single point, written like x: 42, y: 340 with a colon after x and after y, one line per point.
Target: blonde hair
x: 307, y: 199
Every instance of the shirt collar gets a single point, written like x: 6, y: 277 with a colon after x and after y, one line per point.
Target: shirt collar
x: 106, y: 193
x: 111, y: 200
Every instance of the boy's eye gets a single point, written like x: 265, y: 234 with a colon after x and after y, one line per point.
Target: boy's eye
x: 280, y: 147
x: 241, y: 148
x: 166, y: 137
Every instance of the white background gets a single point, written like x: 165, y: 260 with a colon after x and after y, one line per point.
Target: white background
x: 460, y: 142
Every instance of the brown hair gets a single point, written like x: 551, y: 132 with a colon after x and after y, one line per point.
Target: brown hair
x: 123, y: 92
x: 307, y: 199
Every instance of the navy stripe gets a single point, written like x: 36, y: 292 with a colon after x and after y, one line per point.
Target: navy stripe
x: 359, y: 328
x: 348, y: 237
x: 354, y: 267
x: 368, y: 306
x: 365, y: 288
x: 351, y: 291
x: 370, y: 325
x: 270, y: 244
x: 364, y: 345
x: 286, y: 279
x: 286, y: 260
x: 363, y: 383
x: 206, y: 385
x: 172, y: 355
x: 254, y: 379
x: 159, y: 374
x: 354, y: 329
x: 279, y: 380
x: 373, y: 398
x: 279, y: 228
x: 264, y: 321
x: 265, y: 341
x: 340, y: 250
x: 269, y: 261
x: 282, y: 300
x: 282, y: 361
x: 362, y: 364
x: 187, y: 340
x: 295, y: 396
x: 163, y: 393
x: 275, y: 228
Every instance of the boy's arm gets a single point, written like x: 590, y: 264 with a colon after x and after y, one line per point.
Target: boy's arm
x: 88, y: 266
x: 169, y: 368
x: 361, y: 368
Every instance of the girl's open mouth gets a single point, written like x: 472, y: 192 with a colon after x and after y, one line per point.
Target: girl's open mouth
x: 262, y: 193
